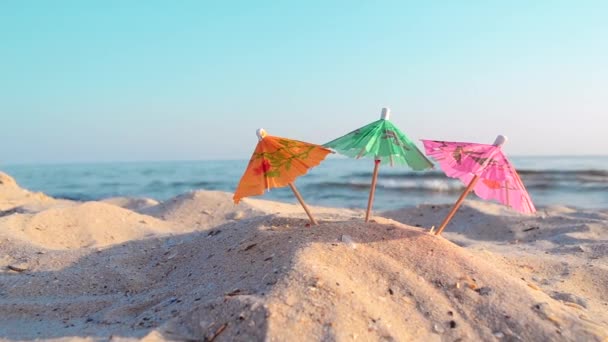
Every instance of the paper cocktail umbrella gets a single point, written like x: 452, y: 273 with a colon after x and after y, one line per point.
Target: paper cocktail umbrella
x: 484, y: 169
x: 384, y: 142
x: 277, y: 162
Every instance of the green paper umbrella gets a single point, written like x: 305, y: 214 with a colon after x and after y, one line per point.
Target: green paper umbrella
x: 384, y: 142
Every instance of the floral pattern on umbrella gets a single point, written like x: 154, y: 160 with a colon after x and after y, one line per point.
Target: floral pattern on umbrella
x: 277, y: 162
x: 381, y: 140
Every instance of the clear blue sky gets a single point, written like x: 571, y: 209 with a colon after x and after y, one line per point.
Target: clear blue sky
x: 162, y: 80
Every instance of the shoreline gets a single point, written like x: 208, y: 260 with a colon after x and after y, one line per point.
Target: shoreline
x: 335, y: 183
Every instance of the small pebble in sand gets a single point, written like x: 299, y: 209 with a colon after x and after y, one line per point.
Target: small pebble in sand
x: 569, y: 298
x: 484, y: 291
x: 214, y: 232
x: 546, y: 312
x: 19, y: 269
x: 250, y: 247
x: 498, y: 334
x: 574, y: 305
x: 349, y: 241
x: 237, y: 215
x: 438, y: 328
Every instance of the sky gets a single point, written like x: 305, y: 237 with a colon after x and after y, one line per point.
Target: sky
x: 89, y: 81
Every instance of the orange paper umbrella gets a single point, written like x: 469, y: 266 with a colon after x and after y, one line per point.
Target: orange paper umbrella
x: 277, y: 162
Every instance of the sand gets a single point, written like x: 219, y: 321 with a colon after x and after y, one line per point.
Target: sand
x: 197, y: 267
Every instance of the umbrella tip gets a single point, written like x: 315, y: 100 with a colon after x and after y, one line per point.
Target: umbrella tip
x: 500, y: 139
x: 385, y: 114
x: 261, y: 133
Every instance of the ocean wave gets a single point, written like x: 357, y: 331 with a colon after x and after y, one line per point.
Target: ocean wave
x: 77, y: 196
x: 541, y: 179
x: 437, y: 185
x: 393, y: 175
x: 179, y: 184
x: 115, y: 184
x: 443, y: 184
x: 193, y: 185
x: 592, y: 173
x: 583, y: 172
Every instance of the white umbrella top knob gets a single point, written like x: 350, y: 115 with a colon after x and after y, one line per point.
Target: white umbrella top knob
x: 386, y: 113
x: 500, y: 140
x: 261, y: 133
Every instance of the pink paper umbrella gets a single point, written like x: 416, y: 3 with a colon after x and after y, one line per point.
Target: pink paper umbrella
x: 484, y: 169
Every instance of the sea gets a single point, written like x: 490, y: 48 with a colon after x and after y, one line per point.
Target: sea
x: 551, y: 180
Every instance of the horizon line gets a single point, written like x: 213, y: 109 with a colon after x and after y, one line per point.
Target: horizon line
x: 91, y: 162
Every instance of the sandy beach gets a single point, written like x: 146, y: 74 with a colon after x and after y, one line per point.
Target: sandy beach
x: 196, y: 267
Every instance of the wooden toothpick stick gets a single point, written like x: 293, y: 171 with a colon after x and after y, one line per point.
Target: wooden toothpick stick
x: 457, y: 205
x: 302, y: 203
x: 372, y: 191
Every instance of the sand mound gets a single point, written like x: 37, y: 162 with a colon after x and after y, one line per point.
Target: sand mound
x: 134, y: 204
x: 272, y: 277
x: 7, y: 181
x: 15, y: 199
x: 206, y: 209
x: 295, y: 210
x: 470, y: 219
x: 91, y: 224
x: 562, y: 251
x: 201, y: 210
